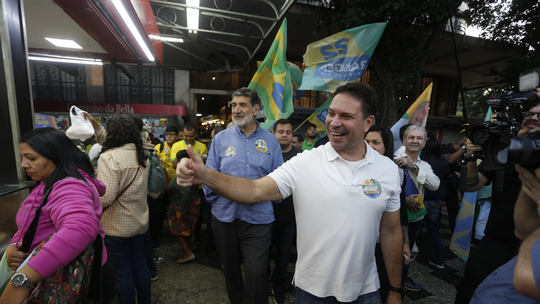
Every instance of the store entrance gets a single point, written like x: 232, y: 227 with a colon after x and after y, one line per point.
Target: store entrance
x: 212, y: 111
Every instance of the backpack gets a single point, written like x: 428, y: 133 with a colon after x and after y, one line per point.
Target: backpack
x: 156, y: 175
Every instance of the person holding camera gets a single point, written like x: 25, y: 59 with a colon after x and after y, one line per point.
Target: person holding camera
x: 500, y: 243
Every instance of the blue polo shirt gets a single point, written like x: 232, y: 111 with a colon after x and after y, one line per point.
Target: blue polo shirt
x: 498, y: 287
x: 250, y: 157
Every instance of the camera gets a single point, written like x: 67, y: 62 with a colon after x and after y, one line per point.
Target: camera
x: 501, y: 147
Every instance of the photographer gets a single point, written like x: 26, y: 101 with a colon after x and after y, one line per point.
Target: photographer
x: 514, y: 282
x: 499, y: 244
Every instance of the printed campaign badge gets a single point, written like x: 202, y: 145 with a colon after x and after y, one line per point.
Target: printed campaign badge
x: 230, y: 152
x: 261, y: 146
x: 372, y: 188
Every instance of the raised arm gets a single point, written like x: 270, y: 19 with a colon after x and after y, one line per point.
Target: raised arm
x: 242, y: 190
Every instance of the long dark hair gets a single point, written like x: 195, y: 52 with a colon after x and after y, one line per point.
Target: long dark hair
x: 432, y: 148
x: 57, y: 147
x: 122, y: 130
x: 387, y: 139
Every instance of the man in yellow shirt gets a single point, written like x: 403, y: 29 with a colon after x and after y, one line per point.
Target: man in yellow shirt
x: 189, y: 139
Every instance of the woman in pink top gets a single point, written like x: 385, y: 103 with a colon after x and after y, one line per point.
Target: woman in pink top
x: 72, y: 213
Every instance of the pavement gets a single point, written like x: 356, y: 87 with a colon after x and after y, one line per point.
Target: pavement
x: 201, y: 281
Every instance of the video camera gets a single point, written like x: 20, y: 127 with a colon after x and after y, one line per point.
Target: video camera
x: 501, y: 147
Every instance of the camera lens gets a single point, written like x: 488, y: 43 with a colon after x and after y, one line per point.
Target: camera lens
x: 505, y: 149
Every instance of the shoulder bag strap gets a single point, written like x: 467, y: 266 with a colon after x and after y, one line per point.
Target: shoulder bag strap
x: 124, y: 190
x: 31, y: 232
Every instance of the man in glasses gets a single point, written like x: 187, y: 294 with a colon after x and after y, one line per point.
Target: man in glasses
x: 500, y: 243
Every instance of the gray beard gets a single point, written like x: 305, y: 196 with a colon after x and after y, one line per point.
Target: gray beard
x: 245, y: 122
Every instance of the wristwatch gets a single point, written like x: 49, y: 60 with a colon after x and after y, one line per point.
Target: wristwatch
x: 398, y: 290
x: 20, y: 280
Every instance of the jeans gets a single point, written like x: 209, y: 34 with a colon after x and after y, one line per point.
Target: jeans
x: 414, y: 228
x: 282, y: 238
x: 131, y: 269
x: 304, y: 297
x: 432, y: 219
x: 149, y: 253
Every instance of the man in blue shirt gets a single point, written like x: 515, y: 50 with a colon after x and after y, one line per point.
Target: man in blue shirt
x: 245, y: 150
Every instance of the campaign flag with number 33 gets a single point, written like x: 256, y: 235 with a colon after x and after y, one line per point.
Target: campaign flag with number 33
x: 340, y: 58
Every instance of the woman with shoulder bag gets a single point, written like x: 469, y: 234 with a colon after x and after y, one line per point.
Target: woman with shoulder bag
x: 67, y: 203
x: 123, y: 167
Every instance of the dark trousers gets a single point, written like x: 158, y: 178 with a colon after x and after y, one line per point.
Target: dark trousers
x: 384, y: 290
x: 131, y: 270
x: 282, y: 239
x: 233, y: 239
x: 207, y: 206
x: 304, y: 297
x: 452, y: 205
x: 156, y: 217
x: 201, y: 217
x: 414, y: 229
x: 490, y: 255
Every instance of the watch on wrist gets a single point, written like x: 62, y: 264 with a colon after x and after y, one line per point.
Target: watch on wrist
x: 464, y: 147
x: 398, y: 290
x: 20, y: 280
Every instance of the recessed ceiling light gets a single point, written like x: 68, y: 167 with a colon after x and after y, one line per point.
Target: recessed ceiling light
x: 64, y: 43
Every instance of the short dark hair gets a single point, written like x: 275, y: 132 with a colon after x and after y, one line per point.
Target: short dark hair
x: 363, y: 93
x: 189, y: 127
x: 57, y: 147
x: 299, y: 137
x: 281, y: 122
x: 402, y: 131
x: 172, y: 129
x: 312, y: 125
x: 387, y: 138
x: 432, y: 148
x: 246, y: 92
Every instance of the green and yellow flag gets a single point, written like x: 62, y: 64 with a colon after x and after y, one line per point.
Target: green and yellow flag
x: 273, y: 81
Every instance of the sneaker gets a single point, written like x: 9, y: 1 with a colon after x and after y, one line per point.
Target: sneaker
x: 158, y: 259
x: 414, y: 248
x: 154, y: 277
x: 439, y: 265
x: 410, y: 285
x: 279, y: 296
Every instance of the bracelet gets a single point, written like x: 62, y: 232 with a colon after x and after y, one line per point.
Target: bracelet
x: 398, y: 290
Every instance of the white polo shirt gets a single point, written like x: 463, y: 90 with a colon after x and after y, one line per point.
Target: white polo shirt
x: 338, y: 218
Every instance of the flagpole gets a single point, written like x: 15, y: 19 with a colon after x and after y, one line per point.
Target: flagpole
x: 301, y: 125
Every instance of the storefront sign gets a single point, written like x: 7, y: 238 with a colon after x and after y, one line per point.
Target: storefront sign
x: 110, y: 108
x: 43, y: 121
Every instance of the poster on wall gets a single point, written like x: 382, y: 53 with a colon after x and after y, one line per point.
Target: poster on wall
x: 43, y: 121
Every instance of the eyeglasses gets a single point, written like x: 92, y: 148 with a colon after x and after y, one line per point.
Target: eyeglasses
x: 529, y: 115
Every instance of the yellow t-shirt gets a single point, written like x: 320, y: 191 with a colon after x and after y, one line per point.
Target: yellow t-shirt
x: 166, y: 158
x: 198, y: 147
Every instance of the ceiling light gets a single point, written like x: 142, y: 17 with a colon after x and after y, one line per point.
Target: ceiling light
x: 168, y: 39
x: 202, y: 98
x: 65, y: 59
x: 192, y: 15
x: 213, y: 78
x: 64, y: 43
x: 124, y: 14
x: 199, y: 114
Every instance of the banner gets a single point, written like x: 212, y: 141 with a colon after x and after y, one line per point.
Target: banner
x: 416, y: 114
x: 461, y: 239
x: 340, y: 58
x: 272, y: 81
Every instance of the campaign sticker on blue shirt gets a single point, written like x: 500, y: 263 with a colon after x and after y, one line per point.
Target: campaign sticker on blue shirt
x: 261, y: 146
x: 372, y: 188
x: 230, y: 152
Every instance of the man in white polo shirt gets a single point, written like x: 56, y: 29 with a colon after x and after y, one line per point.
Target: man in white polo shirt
x: 338, y: 218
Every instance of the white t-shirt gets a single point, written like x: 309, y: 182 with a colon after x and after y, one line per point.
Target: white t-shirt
x: 338, y: 219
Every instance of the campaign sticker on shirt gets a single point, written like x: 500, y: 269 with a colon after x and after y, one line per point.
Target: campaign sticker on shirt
x: 167, y: 152
x: 372, y: 188
x: 230, y: 152
x: 261, y: 146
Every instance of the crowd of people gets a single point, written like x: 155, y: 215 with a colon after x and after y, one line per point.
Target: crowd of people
x: 352, y: 202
